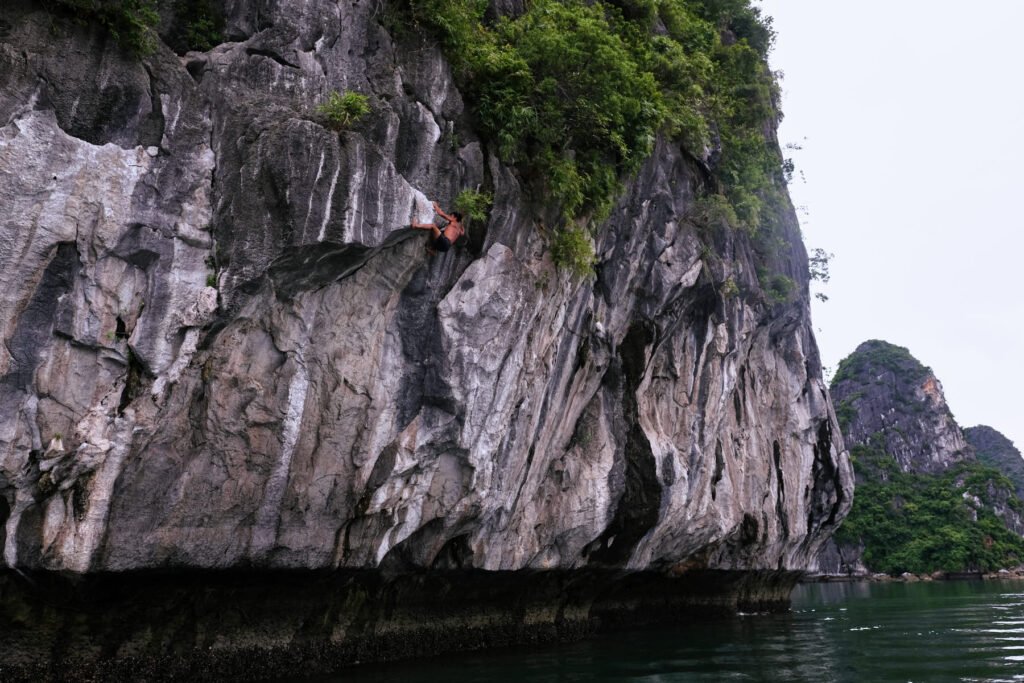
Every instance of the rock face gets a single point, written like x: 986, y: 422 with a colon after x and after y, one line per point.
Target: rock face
x: 883, y: 393
x: 995, y: 450
x: 224, y: 349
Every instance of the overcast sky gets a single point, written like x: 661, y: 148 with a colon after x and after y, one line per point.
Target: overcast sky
x: 911, y: 118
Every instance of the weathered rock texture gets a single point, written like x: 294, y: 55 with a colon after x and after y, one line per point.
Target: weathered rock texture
x: 223, y: 349
x: 887, y: 399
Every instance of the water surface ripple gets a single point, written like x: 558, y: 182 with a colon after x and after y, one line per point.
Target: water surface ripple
x: 918, y: 632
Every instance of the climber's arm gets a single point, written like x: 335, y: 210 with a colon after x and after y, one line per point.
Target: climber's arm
x: 442, y: 214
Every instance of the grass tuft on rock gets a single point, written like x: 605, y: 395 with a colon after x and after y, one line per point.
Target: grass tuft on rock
x: 341, y: 111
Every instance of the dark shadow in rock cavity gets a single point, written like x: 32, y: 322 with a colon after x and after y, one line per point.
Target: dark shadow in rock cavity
x: 637, y: 509
x: 35, y: 325
x: 420, y: 332
x: 5, y: 512
x: 312, y: 266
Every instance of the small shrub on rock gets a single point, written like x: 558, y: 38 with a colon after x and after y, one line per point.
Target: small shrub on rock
x: 572, y: 249
x: 714, y: 212
x: 341, y: 111
x: 779, y: 288
x: 473, y: 204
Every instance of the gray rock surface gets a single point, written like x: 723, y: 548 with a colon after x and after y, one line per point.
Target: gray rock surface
x: 223, y: 348
x: 842, y: 559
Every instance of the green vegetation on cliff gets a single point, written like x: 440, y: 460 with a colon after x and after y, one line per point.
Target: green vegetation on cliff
x: 341, y: 111
x: 197, y: 25
x: 880, y: 355
x: 921, y: 523
x: 194, y: 24
x: 473, y: 204
x: 129, y: 22
x: 571, y: 249
x: 575, y: 92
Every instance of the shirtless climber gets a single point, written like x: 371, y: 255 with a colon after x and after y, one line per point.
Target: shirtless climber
x: 442, y: 239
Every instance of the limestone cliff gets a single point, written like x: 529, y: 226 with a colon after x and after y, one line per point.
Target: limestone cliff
x: 925, y: 501
x: 223, y: 349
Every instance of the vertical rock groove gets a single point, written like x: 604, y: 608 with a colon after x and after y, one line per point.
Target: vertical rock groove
x: 637, y: 509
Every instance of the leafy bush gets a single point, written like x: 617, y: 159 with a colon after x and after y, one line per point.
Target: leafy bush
x: 473, y: 204
x: 129, y: 22
x: 572, y: 250
x: 574, y: 92
x: 561, y: 93
x: 202, y: 34
x: 199, y: 26
x: 714, y: 211
x: 779, y: 288
x: 729, y: 84
x: 341, y: 111
x: 742, y: 20
x: 819, y: 262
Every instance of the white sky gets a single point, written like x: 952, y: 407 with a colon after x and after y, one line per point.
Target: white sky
x: 911, y: 118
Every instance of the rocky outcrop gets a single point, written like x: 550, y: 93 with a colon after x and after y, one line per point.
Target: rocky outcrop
x: 223, y: 348
x: 995, y: 450
x: 886, y: 398
x: 909, y: 452
x: 843, y: 559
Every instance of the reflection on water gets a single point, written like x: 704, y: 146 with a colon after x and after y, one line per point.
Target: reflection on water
x: 947, y: 631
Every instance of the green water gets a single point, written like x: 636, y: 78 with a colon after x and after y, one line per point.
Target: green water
x: 870, y: 632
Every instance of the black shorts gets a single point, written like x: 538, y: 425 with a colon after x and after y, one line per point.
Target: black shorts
x: 442, y: 243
